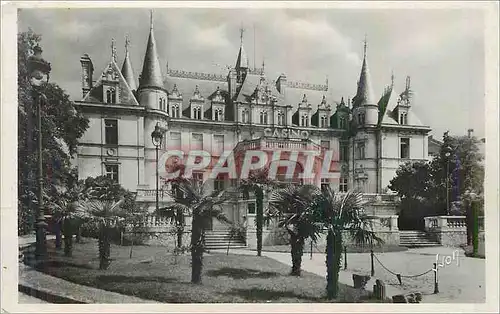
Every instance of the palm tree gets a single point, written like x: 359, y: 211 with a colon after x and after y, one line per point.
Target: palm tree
x: 258, y: 182
x: 341, y: 213
x: 105, y: 215
x: 203, y: 205
x: 66, y: 214
x: 291, y: 204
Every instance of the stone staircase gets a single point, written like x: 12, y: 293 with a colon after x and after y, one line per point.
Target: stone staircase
x: 417, y: 239
x: 219, y: 239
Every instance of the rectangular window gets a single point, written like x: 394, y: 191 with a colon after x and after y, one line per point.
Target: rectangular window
x: 361, y: 150
x: 342, y: 122
x: 174, y: 140
x: 251, y: 208
x: 344, y: 152
x: 324, y: 183
x: 343, y: 185
x: 198, y: 178
x: 218, y: 144
x: 197, y: 141
x: 219, y: 183
x: 111, y: 131
x: 325, y: 144
x: 112, y: 172
x: 405, y: 148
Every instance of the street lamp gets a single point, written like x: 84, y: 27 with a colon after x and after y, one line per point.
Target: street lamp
x: 447, y: 154
x: 39, y: 71
x: 156, y: 137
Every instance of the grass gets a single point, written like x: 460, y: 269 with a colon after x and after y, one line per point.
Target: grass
x: 321, y: 249
x: 155, y: 274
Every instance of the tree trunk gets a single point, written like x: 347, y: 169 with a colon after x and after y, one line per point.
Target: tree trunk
x: 68, y: 238
x: 259, y: 198
x: 180, y: 231
x: 104, y: 248
x: 197, y: 249
x: 333, y: 257
x: 58, y: 228
x: 297, y: 251
x: 469, y: 222
x: 79, y: 233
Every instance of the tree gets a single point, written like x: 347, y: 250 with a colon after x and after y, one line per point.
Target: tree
x: 340, y: 213
x: 258, y: 182
x: 202, y: 204
x: 413, y: 183
x: 106, y: 215
x: 62, y: 126
x: 291, y: 205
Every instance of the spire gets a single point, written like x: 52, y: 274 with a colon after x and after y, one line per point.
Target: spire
x: 364, y: 96
x: 151, y: 72
x: 113, y: 50
x: 242, y: 60
x: 127, y: 71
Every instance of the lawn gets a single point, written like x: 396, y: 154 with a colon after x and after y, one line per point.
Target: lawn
x: 321, y: 248
x: 155, y: 274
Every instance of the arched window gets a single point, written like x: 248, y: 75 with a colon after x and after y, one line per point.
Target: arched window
x: 305, y: 120
x: 218, y: 114
x: 113, y: 96
x: 108, y: 96
x: 245, y: 116
x: 281, y: 118
x: 263, y: 117
x: 175, y: 111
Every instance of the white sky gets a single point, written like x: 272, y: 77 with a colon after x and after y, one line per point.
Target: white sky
x: 441, y: 49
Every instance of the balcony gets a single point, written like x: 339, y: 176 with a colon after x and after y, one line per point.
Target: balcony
x: 271, y: 143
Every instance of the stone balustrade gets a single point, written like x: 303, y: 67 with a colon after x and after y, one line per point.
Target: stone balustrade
x: 449, y: 230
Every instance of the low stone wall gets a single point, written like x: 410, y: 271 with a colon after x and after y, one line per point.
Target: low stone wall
x: 449, y: 230
x: 481, y: 244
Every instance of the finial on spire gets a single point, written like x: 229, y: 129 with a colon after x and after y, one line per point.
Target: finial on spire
x: 151, y: 19
x: 242, y: 30
x: 127, y: 43
x: 113, y: 49
x: 392, y: 78
x: 364, y: 48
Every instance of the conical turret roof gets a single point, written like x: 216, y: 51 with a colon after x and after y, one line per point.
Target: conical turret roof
x: 127, y: 70
x: 151, y: 71
x: 364, y: 95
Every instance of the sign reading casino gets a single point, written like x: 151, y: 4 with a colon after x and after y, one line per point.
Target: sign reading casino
x: 286, y: 133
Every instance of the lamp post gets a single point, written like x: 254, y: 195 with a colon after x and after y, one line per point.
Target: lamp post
x: 39, y: 71
x: 156, y: 137
x: 447, y: 154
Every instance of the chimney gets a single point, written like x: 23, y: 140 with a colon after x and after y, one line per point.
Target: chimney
x: 281, y: 84
x: 87, y: 73
x: 231, y: 80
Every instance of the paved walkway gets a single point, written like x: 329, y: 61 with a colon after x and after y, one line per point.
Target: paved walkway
x: 458, y: 283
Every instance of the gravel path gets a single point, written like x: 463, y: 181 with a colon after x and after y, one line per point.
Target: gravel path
x: 462, y: 282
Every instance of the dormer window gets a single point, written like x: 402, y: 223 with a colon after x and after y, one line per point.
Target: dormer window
x: 323, y: 122
x: 263, y: 117
x: 304, y: 120
x: 218, y: 114
x: 403, y: 118
x: 245, y: 116
x: 281, y: 118
x: 176, y: 112
x: 342, y: 122
x: 197, y: 113
x: 111, y: 96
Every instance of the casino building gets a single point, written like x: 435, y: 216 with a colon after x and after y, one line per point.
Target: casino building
x: 243, y: 110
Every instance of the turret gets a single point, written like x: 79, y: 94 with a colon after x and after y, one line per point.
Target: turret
x: 151, y: 91
x: 127, y: 70
x: 364, y: 105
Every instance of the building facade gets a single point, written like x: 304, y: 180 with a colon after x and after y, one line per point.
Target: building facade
x: 243, y: 110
